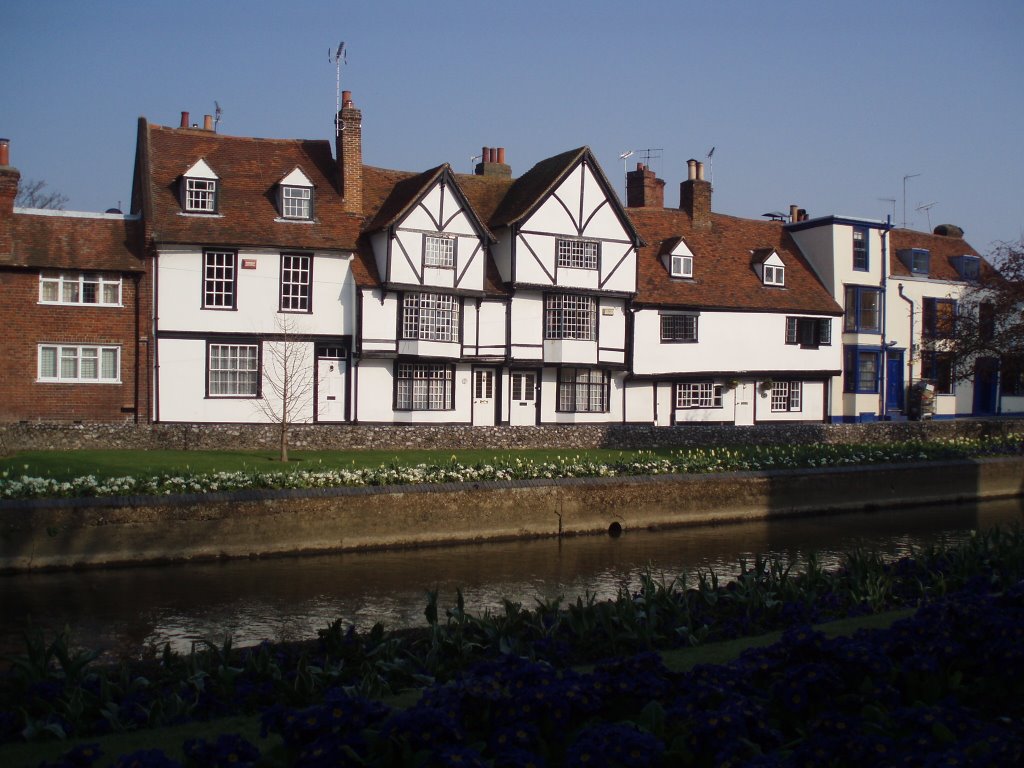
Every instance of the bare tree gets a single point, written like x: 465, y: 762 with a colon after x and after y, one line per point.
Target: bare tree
x: 990, y: 318
x: 288, y: 378
x: 33, y: 194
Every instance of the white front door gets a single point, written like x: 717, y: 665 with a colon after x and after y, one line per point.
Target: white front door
x: 664, y: 404
x: 483, y: 397
x: 745, y: 403
x: 522, y: 406
x: 330, y: 389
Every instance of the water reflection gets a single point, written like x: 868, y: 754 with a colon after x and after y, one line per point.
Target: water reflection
x: 125, y: 610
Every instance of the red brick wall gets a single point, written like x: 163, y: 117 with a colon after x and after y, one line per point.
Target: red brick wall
x: 27, y: 323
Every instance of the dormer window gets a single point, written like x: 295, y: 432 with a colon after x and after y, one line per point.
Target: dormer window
x: 296, y: 202
x: 917, y: 260
x: 769, y: 267
x: 200, y: 195
x: 678, y: 258
x: 199, y: 189
x: 774, y: 275
x: 682, y: 266
x: 968, y: 266
x: 295, y: 196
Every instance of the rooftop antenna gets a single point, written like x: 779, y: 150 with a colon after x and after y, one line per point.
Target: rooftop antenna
x: 927, y: 208
x: 472, y: 162
x: 711, y: 167
x: 908, y: 176
x: 339, y: 57
x: 217, y: 111
x: 650, y: 154
x: 623, y: 156
x: 891, y: 201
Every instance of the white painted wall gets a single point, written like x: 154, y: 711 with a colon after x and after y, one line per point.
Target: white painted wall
x: 492, y: 328
x: 181, y: 382
x: 375, y: 386
x: 812, y: 405
x: 180, y: 283
x: 729, y: 341
x: 527, y: 326
x: 379, y: 325
x: 549, y: 402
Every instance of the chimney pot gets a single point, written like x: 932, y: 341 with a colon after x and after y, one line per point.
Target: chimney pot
x: 501, y: 154
x: 794, y: 213
x: 700, y: 171
x: 5, y: 151
x: 346, y: 99
x: 184, y: 119
x: 207, y: 122
x: 691, y: 169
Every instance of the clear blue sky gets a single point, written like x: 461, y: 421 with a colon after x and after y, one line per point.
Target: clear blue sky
x: 824, y: 104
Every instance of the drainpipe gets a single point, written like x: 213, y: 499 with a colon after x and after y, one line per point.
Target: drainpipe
x: 884, y: 361
x: 910, y: 351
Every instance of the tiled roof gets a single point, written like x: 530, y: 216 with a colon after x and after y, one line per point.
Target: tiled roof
x: 249, y: 170
x: 941, y: 247
x: 76, y: 242
x: 723, y: 273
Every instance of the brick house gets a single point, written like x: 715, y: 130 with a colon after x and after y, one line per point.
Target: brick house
x: 75, y: 312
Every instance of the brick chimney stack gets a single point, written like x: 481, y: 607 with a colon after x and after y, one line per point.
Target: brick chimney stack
x: 9, y: 178
x: 695, y: 195
x: 644, y: 189
x: 349, y: 148
x: 492, y: 163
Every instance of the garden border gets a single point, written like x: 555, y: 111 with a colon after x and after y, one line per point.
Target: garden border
x: 57, y: 534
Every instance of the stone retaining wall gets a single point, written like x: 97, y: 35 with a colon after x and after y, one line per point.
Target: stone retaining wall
x: 47, y: 436
x: 71, y: 533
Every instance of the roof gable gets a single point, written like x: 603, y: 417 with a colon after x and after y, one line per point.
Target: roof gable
x: 412, y: 191
x: 200, y: 170
x: 296, y: 179
x: 530, y: 191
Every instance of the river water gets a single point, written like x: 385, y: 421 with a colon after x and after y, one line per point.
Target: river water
x: 125, y: 610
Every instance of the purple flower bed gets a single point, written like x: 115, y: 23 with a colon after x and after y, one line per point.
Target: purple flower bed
x: 944, y: 687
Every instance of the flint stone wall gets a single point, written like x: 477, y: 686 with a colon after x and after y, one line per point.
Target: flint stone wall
x: 127, y: 436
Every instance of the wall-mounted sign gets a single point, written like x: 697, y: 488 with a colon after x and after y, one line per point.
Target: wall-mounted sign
x: 248, y: 263
x: 607, y: 311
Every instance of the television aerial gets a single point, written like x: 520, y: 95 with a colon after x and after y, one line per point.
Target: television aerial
x: 926, y: 208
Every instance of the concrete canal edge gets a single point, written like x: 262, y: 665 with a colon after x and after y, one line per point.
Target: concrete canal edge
x: 48, y: 534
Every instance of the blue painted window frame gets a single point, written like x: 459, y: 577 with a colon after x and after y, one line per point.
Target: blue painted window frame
x: 854, y: 320
x: 861, y: 253
x: 852, y: 378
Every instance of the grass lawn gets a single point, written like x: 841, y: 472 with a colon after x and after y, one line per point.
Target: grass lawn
x: 65, y: 465
x: 170, y: 739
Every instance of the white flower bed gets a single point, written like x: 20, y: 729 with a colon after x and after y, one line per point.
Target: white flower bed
x: 688, y: 461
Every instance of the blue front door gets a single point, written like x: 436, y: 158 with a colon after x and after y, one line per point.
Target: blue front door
x: 894, y: 381
x: 986, y: 379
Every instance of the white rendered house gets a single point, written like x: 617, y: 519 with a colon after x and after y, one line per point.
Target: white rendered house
x: 251, y: 252
x: 729, y: 325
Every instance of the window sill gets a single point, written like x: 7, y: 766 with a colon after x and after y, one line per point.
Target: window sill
x: 283, y: 220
